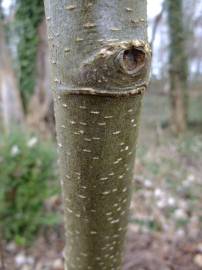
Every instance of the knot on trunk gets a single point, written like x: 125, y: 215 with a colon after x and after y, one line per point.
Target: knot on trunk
x: 117, y: 66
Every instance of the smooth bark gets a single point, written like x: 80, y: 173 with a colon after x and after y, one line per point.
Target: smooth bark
x: 100, y: 62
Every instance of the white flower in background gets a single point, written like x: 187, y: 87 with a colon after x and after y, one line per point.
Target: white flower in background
x: 191, y: 178
x: 20, y: 259
x: 161, y: 203
x: 158, y: 193
x: 171, y: 201
x: 180, y: 214
x: 58, y: 264
x: 15, y: 150
x: 148, y: 183
x: 32, y: 142
x: 189, y: 181
x: 180, y: 233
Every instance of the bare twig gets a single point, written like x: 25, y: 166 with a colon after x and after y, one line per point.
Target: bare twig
x: 156, y: 24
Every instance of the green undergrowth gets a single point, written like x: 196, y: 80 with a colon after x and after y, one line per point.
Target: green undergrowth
x: 27, y: 180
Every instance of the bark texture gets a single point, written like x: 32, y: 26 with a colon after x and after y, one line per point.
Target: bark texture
x: 178, y: 70
x: 100, y: 68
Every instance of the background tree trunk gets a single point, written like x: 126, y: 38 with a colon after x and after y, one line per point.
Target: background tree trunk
x: 1, y: 10
x: 29, y: 16
x: 11, y: 106
x: 100, y: 66
x: 42, y: 119
x: 177, y: 66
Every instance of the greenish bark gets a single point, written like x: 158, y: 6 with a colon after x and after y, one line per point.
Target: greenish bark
x: 100, y: 66
x: 178, y: 66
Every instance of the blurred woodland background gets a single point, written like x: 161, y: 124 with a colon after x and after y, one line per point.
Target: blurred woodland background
x: 166, y: 214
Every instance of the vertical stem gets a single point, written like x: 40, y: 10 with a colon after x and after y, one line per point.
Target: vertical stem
x: 100, y: 69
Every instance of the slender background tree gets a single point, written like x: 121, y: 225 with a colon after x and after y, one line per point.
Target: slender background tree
x: 29, y: 15
x: 34, y: 72
x: 11, y: 106
x: 1, y: 11
x: 178, y: 66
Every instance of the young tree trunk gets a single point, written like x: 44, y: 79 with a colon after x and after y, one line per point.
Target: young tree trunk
x: 100, y: 69
x: 178, y: 67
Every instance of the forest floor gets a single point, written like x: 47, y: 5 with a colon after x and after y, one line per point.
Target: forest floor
x: 164, y: 232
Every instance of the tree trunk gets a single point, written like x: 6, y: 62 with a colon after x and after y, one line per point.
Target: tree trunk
x: 42, y: 119
x: 12, y: 111
x: 178, y: 67
x: 100, y: 69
